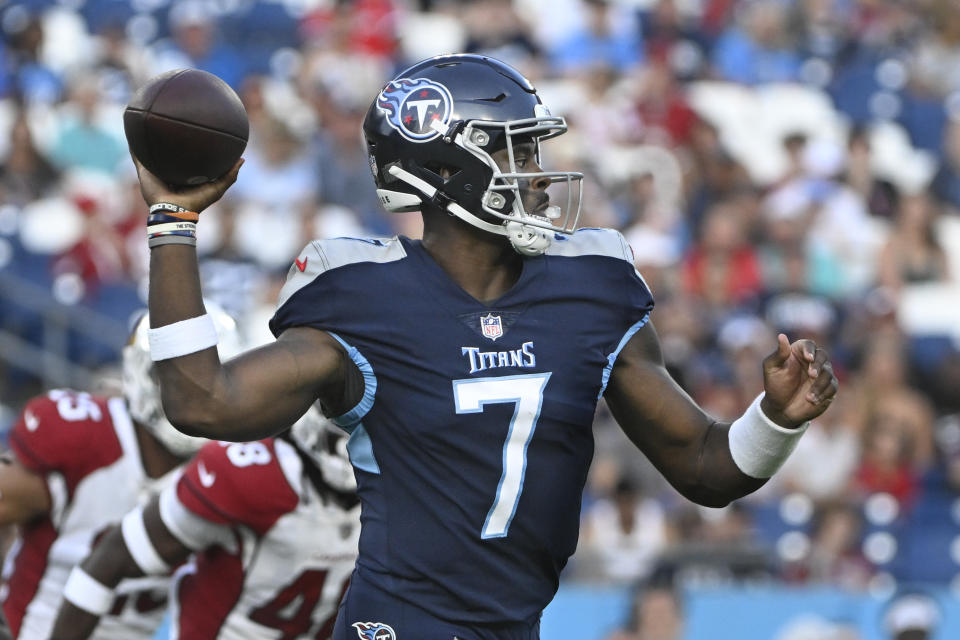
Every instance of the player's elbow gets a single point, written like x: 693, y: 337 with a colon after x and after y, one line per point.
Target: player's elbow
x: 720, y: 492
x: 709, y: 494
x: 191, y: 419
x: 709, y: 499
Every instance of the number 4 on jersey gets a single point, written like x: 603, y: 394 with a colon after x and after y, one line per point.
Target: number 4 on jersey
x: 527, y: 393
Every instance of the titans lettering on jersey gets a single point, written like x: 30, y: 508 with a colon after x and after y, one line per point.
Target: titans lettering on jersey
x: 480, y: 360
x: 474, y: 436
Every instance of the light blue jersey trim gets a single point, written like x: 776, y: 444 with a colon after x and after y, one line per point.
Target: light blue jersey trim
x: 361, y: 450
x: 612, y: 358
x: 589, y: 241
x: 359, y: 446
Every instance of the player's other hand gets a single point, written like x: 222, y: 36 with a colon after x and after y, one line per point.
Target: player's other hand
x: 799, y: 382
x: 195, y: 198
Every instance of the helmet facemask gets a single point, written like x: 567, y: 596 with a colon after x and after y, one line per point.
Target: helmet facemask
x: 503, y: 197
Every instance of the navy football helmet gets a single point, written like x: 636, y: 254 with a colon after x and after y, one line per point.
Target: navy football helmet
x: 430, y: 134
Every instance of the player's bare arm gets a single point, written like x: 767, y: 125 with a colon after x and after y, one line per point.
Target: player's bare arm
x: 259, y: 393
x: 690, y: 448
x: 23, y: 493
x: 110, y: 562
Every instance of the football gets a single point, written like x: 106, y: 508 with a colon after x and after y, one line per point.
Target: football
x: 186, y: 126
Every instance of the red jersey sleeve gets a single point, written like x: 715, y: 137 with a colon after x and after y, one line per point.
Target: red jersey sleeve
x: 237, y: 483
x: 65, y: 431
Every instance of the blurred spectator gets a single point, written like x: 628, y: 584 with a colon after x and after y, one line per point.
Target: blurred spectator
x: 195, y: 44
x: 673, y: 35
x: 826, y: 458
x: 656, y: 613
x: 624, y: 533
x: 25, y: 174
x: 821, y: 27
x: 935, y: 64
x: 495, y: 29
x: 278, y: 196
x: 721, y: 267
x: 30, y: 78
x: 665, y: 115
x: 789, y: 261
x: 912, y: 253
x: 758, y: 48
x: 835, y: 557
x: 343, y: 165
x: 123, y: 66
x: 883, y: 399
x: 88, y: 137
x: 896, y: 447
x: 608, y: 36
x: 713, y: 175
x: 880, y: 194
x: 362, y: 28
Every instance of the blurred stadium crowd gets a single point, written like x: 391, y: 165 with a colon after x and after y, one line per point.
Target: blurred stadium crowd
x: 776, y: 166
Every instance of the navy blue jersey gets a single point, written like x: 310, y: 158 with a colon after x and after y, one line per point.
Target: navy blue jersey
x: 474, y: 437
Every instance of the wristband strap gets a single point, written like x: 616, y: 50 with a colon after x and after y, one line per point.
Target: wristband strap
x: 182, y: 338
x: 140, y: 546
x: 167, y: 206
x: 160, y: 218
x: 760, y: 446
x: 178, y: 225
x: 171, y: 239
x: 87, y: 593
x: 174, y: 210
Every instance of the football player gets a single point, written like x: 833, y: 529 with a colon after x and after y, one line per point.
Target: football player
x: 80, y: 462
x: 467, y: 366
x: 272, y: 526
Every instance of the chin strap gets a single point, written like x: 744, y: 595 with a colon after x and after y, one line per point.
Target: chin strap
x: 525, y: 239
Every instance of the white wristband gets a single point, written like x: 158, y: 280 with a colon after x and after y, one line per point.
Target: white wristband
x: 87, y: 593
x: 182, y: 338
x: 139, y: 545
x: 759, y: 446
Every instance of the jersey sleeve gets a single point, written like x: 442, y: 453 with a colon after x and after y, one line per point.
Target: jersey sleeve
x: 320, y: 281
x: 237, y: 484
x: 611, y: 271
x: 196, y: 533
x: 65, y: 432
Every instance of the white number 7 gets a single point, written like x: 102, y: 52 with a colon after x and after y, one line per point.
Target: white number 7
x: 527, y: 393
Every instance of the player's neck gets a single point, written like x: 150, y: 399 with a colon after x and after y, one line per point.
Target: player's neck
x: 483, y: 264
x: 156, y: 459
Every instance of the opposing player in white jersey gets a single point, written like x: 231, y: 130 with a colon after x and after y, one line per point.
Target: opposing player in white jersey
x: 79, y: 464
x: 272, y: 526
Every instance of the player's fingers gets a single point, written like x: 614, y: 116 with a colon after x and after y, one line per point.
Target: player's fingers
x: 780, y: 355
x: 805, y: 350
x: 823, y: 380
x: 229, y: 177
x: 825, y: 387
x: 820, y: 358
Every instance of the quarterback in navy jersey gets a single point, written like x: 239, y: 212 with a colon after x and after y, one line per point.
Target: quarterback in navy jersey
x: 467, y: 366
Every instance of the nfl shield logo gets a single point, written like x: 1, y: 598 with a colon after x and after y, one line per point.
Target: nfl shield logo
x: 491, y: 326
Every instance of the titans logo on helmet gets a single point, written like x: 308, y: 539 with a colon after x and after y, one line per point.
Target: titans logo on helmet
x: 412, y: 106
x: 374, y: 631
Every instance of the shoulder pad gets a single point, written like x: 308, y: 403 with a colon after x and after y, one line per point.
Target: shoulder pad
x: 66, y: 431
x: 237, y: 483
x: 591, y: 242
x: 321, y: 256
